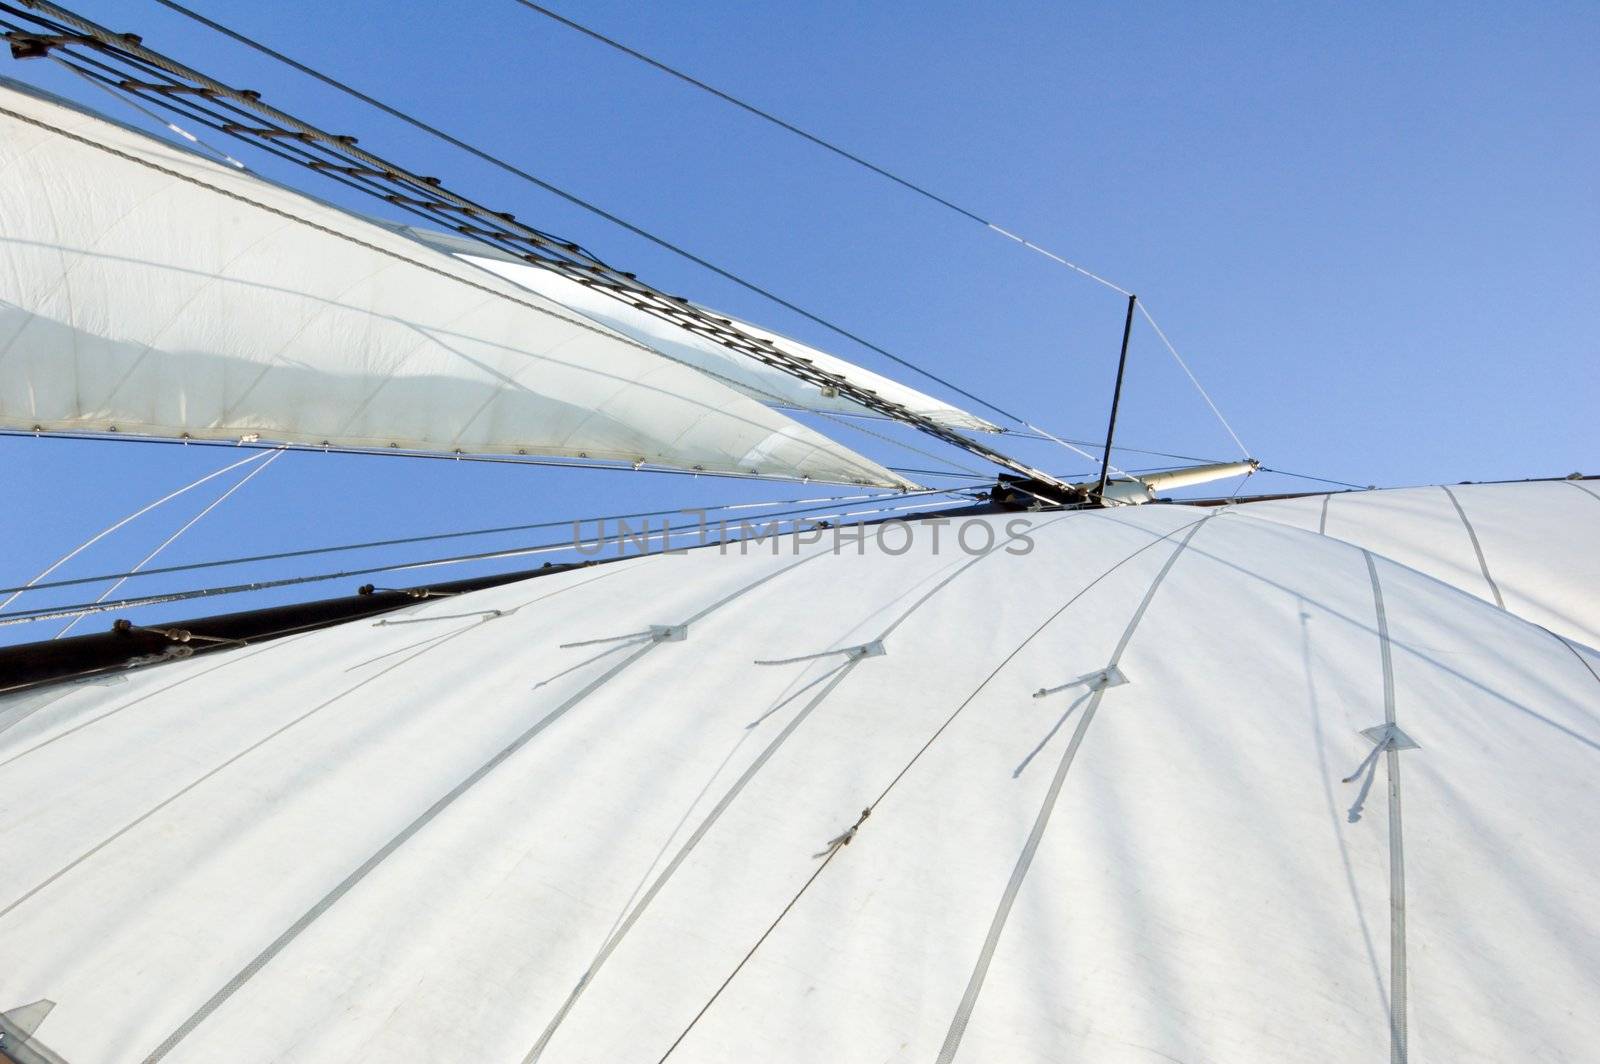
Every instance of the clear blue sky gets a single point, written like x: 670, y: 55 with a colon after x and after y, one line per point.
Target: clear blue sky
x: 1373, y: 231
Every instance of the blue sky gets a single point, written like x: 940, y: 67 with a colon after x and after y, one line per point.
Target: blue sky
x: 1371, y: 230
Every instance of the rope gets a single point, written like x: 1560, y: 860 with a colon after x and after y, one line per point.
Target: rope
x: 28, y: 616
x: 1077, y: 450
x: 860, y: 650
x: 1041, y: 434
x: 218, y: 501
x: 826, y: 145
x: 280, y: 555
x: 630, y: 636
x: 1032, y: 432
x: 835, y: 677
x: 1564, y: 641
x: 1144, y: 310
x: 1581, y: 488
x: 102, y: 534
x: 1324, y: 480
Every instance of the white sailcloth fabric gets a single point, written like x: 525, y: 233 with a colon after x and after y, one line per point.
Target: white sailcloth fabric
x: 147, y: 290
x: 1530, y: 547
x: 763, y: 382
x: 923, y: 830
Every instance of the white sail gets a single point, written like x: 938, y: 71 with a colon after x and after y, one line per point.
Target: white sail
x: 770, y: 385
x: 444, y: 836
x: 1527, y: 547
x: 147, y: 290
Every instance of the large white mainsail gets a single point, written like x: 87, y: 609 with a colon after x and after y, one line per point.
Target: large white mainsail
x: 455, y: 834
x: 148, y: 290
x: 763, y: 382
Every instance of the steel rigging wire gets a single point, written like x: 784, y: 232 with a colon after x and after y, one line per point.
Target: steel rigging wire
x: 903, y: 182
x: 77, y: 609
x: 576, y: 522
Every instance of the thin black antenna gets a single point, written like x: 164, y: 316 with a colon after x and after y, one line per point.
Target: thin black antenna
x: 1116, y: 398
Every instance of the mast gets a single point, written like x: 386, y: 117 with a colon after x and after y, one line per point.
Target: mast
x: 1116, y: 398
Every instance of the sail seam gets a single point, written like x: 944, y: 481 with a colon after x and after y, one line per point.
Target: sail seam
x: 427, y: 816
x: 1477, y: 548
x: 1592, y: 494
x: 1575, y: 653
x: 1398, y: 1034
x: 854, y: 656
x: 837, y: 674
x: 980, y: 971
x: 829, y: 855
x: 232, y: 760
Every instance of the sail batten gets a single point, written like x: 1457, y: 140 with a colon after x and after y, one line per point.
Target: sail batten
x: 150, y: 291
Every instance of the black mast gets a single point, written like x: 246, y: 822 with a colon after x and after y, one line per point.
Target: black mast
x: 1116, y: 397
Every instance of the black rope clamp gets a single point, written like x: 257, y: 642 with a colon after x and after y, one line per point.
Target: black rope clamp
x: 25, y: 45
x: 175, y: 635
x: 37, y: 45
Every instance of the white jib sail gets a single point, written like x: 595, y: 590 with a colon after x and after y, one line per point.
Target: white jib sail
x: 145, y: 289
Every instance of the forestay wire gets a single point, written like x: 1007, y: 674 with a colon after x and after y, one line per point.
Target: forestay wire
x: 905, y: 183
x: 666, y: 533
x: 579, y: 522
